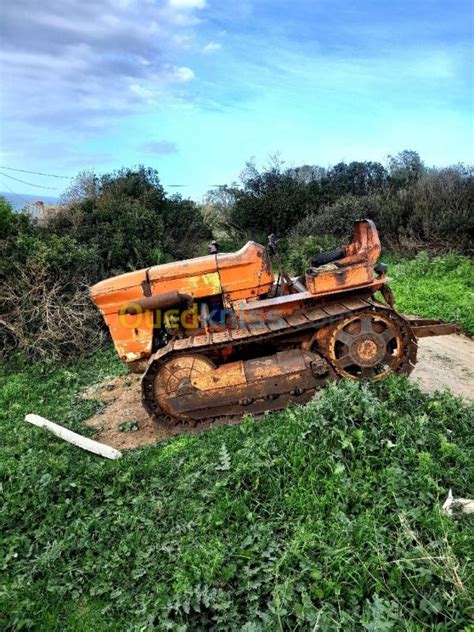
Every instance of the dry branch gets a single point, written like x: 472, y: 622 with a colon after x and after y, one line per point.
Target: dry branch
x: 47, y: 318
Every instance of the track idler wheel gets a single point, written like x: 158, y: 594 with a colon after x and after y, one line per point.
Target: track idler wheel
x: 176, y: 378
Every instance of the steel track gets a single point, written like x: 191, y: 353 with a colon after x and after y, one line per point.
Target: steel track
x: 310, y: 319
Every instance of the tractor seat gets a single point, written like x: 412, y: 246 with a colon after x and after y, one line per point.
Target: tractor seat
x: 327, y: 257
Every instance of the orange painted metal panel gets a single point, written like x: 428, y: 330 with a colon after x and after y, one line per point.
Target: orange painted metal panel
x: 343, y: 278
x: 132, y: 335
x: 243, y: 274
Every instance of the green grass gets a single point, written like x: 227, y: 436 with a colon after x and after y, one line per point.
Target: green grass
x: 437, y: 287
x: 323, y: 517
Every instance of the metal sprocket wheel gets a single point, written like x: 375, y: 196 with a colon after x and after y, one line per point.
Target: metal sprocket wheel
x: 371, y: 345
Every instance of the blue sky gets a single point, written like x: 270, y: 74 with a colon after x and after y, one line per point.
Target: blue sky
x: 195, y: 88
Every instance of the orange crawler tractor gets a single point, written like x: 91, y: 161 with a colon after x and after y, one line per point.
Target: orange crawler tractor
x: 221, y: 335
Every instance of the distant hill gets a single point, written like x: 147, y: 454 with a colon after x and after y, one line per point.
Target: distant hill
x: 20, y: 200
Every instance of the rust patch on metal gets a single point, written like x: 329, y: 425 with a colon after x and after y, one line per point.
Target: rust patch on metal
x: 424, y: 327
x: 189, y: 387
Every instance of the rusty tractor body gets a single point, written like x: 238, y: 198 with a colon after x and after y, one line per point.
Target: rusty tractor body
x: 222, y: 335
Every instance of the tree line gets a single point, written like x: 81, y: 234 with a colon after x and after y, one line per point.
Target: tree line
x: 412, y: 205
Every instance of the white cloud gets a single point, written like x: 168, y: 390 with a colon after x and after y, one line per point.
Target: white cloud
x: 98, y: 61
x: 183, y: 20
x: 183, y: 40
x: 141, y: 91
x: 184, y: 74
x: 188, y: 4
x: 212, y: 47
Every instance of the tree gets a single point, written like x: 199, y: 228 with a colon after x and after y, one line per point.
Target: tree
x: 84, y: 186
x: 405, y: 168
x: 127, y: 217
x: 308, y: 173
x: 184, y: 228
x: 357, y: 178
x: 217, y: 210
x: 270, y: 201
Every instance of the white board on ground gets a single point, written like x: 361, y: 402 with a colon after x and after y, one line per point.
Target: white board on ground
x: 73, y: 437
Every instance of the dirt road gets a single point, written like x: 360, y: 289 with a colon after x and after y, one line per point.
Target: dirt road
x: 443, y: 362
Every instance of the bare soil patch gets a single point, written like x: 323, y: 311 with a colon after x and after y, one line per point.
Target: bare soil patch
x: 124, y: 408
x: 123, y: 398
x: 443, y: 362
x: 446, y: 362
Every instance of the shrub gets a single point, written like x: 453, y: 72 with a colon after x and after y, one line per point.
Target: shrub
x: 127, y: 218
x: 443, y: 202
x: 336, y: 219
x: 270, y: 201
x: 46, y: 312
x: 434, y: 213
x: 47, y: 318
x: 44, y: 299
x: 184, y: 229
x: 413, y: 207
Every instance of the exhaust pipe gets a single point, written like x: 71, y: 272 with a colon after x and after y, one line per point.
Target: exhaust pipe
x: 159, y: 301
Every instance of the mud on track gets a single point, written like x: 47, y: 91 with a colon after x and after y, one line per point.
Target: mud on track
x: 443, y: 362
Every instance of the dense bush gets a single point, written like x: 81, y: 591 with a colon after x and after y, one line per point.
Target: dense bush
x: 413, y: 207
x: 443, y: 209
x: 45, y: 307
x: 436, y: 213
x: 127, y: 217
x: 337, y: 219
x: 47, y: 316
x: 274, y: 200
x: 271, y: 202
x: 319, y: 517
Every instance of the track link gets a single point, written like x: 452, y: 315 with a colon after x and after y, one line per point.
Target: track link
x: 311, y: 318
